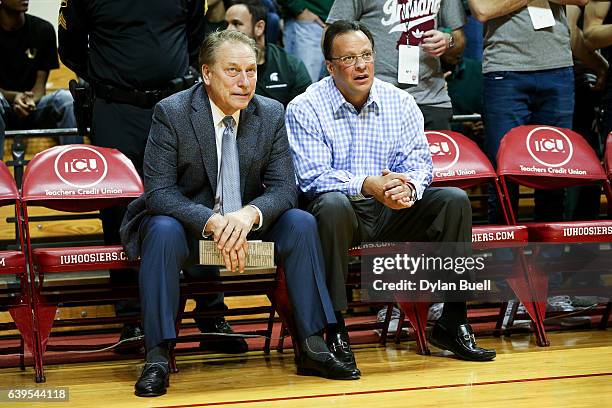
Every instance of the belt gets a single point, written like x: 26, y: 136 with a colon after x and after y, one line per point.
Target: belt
x: 143, y: 99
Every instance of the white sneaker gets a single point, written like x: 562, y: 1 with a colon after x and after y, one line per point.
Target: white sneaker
x: 517, y: 324
x: 395, y: 315
x: 563, y: 303
x: 435, y: 311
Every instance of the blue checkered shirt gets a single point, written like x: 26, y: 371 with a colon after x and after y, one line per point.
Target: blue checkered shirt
x: 335, y: 147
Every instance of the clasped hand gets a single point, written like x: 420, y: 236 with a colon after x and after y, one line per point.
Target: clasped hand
x: 229, y: 233
x: 24, y: 104
x: 392, y: 189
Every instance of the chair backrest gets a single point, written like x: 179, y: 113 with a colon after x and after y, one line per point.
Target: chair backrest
x: 80, y: 178
x: 547, y: 157
x: 457, y: 160
x: 8, y: 189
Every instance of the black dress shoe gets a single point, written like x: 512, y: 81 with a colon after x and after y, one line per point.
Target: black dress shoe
x: 340, y: 346
x: 329, y: 367
x: 130, y: 331
x: 462, y: 343
x: 229, y: 344
x: 153, y: 381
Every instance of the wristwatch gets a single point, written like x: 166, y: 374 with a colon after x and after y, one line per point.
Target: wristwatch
x: 412, y: 188
x: 451, y: 41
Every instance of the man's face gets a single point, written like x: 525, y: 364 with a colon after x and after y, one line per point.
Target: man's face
x: 238, y: 18
x: 353, y: 81
x: 15, y: 5
x: 230, y: 81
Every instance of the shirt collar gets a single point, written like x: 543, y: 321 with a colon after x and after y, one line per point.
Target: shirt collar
x: 218, y: 115
x: 338, y: 101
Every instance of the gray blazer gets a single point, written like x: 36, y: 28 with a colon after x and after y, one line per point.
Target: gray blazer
x: 180, y: 164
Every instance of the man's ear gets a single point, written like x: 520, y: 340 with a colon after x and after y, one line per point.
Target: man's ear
x: 260, y: 28
x: 330, y: 67
x: 206, y: 74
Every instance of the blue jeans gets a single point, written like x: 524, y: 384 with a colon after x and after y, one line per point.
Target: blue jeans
x: 55, y: 110
x: 513, y: 99
x: 303, y: 39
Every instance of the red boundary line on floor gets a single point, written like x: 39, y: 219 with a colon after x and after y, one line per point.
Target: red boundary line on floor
x: 426, y: 387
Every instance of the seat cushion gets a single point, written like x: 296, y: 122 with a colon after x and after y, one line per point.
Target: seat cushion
x: 68, y: 259
x: 574, y: 231
x: 12, y: 262
x: 483, y: 236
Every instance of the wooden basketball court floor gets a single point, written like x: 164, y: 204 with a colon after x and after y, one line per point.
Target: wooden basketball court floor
x: 576, y: 371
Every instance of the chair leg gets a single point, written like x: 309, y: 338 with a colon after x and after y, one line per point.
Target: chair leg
x: 529, y: 284
x: 21, y: 353
x: 500, y: 319
x: 44, y: 316
x: 416, y: 312
x: 269, y: 330
x: 281, y: 339
x: 385, y: 329
x: 27, y: 325
x: 513, y: 311
x: 179, y: 320
x: 400, y: 327
x: 280, y: 299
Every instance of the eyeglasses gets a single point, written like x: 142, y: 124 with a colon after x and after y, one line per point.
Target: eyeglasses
x: 350, y: 60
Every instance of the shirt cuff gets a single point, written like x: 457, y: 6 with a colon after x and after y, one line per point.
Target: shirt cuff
x: 354, y: 189
x: 260, y: 217
x: 419, y: 190
x: 204, y: 234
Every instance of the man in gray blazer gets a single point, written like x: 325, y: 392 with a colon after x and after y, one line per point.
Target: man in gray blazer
x: 202, y: 179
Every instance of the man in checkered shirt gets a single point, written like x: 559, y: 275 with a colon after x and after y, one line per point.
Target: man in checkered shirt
x: 363, y: 163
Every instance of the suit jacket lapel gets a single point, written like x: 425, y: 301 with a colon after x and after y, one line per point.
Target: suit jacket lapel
x: 201, y: 119
x: 248, y: 134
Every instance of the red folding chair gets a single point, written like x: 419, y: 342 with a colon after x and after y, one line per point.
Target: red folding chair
x: 459, y: 162
x: 75, y: 178
x: 17, y: 300
x: 546, y: 157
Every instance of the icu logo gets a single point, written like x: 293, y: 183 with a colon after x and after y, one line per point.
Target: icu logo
x: 80, y: 166
x: 444, y: 150
x: 549, y: 146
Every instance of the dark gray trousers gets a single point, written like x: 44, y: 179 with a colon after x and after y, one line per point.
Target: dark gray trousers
x: 443, y: 214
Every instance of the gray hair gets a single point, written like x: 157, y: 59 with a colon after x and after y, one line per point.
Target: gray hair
x: 216, y: 39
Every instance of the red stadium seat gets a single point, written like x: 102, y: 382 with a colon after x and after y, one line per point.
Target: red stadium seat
x: 82, y: 178
x: 546, y: 157
x: 459, y: 162
x: 13, y: 262
x: 75, y: 178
